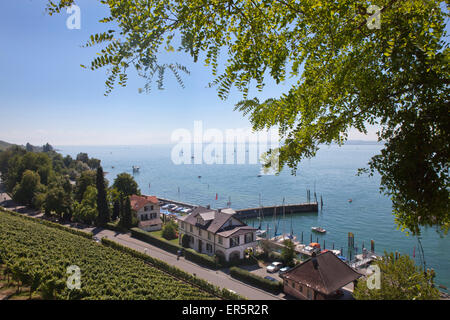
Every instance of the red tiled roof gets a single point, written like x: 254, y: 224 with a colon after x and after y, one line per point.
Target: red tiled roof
x: 138, y: 202
x: 326, y: 274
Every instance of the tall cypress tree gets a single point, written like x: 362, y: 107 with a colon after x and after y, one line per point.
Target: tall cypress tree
x: 102, y: 203
x: 116, y: 210
x: 126, y: 219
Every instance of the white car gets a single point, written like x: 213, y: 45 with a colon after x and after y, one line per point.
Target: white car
x: 274, y: 267
x: 284, y: 269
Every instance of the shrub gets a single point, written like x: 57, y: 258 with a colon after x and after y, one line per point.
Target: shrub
x: 202, y: 259
x: 169, y: 231
x: 257, y: 281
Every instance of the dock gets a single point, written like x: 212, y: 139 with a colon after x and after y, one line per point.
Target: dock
x: 269, y: 211
x: 164, y: 201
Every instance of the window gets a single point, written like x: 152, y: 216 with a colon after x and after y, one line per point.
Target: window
x: 190, y: 228
x: 208, y: 247
x: 151, y: 207
x: 249, y: 237
x: 199, y: 232
x: 220, y: 240
x: 300, y: 288
x: 308, y: 294
x: 293, y: 284
x: 209, y: 235
x: 234, y: 241
x: 182, y: 225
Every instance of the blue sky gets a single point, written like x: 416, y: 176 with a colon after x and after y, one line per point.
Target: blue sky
x: 45, y: 96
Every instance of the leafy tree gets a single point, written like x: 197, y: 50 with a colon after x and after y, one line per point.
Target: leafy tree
x: 116, y: 210
x: 400, y: 279
x: 169, y: 231
x: 86, y: 179
x: 102, y: 203
x: 93, y: 163
x: 29, y: 147
x: 47, y: 148
x: 126, y: 218
x: 29, y: 186
x: 67, y: 161
x: 125, y: 184
x: 83, y: 157
x: 288, y: 253
x: 86, y: 211
x: 343, y: 71
x: 59, y: 202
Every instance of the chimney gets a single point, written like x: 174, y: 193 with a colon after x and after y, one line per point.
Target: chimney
x: 314, y: 260
x: 208, y: 206
x: 219, y: 210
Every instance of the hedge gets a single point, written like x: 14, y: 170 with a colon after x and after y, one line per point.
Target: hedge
x: 202, y: 259
x: 174, y: 271
x: 50, y: 224
x: 149, y: 238
x: 257, y: 281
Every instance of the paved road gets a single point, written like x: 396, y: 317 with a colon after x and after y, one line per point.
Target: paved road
x: 219, y: 278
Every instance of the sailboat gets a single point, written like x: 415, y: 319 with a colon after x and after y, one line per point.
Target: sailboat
x: 259, y: 232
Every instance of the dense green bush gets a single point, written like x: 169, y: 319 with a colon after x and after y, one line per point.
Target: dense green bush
x: 169, y: 231
x: 202, y: 259
x: 257, y: 281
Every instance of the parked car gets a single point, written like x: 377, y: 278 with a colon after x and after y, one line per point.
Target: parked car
x: 274, y: 267
x: 283, y: 270
x: 270, y: 278
x: 165, y: 207
x: 179, y: 209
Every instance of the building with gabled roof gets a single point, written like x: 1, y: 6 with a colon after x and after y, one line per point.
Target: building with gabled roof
x: 319, y: 277
x: 217, y: 232
x: 147, y: 212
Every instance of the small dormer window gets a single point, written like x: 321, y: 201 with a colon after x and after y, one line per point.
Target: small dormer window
x: 199, y: 220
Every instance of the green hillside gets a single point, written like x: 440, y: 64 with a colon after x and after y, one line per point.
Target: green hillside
x: 30, y: 248
x: 5, y: 145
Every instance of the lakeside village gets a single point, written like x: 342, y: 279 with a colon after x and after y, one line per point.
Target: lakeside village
x: 271, y: 264
x: 316, y: 273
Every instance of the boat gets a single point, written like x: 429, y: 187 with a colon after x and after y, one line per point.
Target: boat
x: 318, y: 229
x: 350, y: 200
x: 136, y: 169
x: 261, y: 233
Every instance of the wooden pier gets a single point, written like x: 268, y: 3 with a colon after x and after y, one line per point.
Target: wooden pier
x: 269, y: 211
x: 178, y: 203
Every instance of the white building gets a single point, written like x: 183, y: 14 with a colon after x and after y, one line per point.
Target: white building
x: 217, y: 232
x: 147, y: 211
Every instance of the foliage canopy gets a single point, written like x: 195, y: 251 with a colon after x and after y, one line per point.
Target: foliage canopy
x: 348, y: 75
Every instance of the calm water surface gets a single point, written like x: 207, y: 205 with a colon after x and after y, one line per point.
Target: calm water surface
x: 332, y: 174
